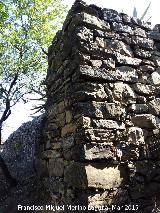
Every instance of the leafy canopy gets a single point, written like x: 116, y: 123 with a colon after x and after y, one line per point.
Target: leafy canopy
x: 27, y: 28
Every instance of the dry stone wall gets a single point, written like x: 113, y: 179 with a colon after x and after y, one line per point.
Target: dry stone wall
x: 101, y: 136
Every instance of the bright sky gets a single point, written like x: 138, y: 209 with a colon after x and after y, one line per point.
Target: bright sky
x: 127, y: 7
x: 21, y: 111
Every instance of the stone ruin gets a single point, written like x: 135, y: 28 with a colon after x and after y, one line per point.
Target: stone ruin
x: 101, y: 134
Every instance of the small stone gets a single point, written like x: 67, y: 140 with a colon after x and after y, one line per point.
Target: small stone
x: 108, y: 63
x: 155, y: 78
x: 139, y: 32
x: 123, y: 93
x: 61, y: 119
x: 154, y: 106
x: 135, y: 135
x: 140, y: 53
x: 156, y: 60
x: 96, y: 63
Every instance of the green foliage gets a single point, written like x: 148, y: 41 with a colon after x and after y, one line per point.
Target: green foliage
x: 27, y: 28
x: 3, y: 13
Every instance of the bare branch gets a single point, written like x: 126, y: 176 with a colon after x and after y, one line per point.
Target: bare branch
x: 43, y: 50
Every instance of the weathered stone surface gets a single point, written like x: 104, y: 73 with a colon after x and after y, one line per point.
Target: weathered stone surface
x: 68, y: 116
x: 154, y: 106
x: 118, y: 46
x: 108, y: 63
x: 156, y: 60
x: 147, y: 69
x: 103, y: 135
x: 146, y: 121
x: 97, y: 176
x: 103, y: 79
x: 126, y: 74
x: 91, y: 21
x: 123, y: 93
x: 138, y: 108
x: 41, y: 167
x: 56, y: 167
x: 108, y: 124
x: 111, y: 15
x: 135, y: 135
x: 142, y: 42
x: 51, y: 154
x: 125, y: 60
x: 118, y: 27
x: 94, y: 175
x: 100, y: 74
x: 143, y: 89
x: 140, y: 53
x: 67, y: 129
x: 139, y: 32
x: 21, y: 147
x: 100, y: 110
x: 98, y: 151
x: 155, y: 78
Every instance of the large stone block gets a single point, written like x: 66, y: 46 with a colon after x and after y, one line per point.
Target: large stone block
x: 92, y: 22
x: 126, y: 74
x: 108, y: 124
x: 89, y: 91
x: 103, y: 135
x: 138, y: 108
x: 143, y: 89
x: 56, y: 167
x: 100, y: 110
x: 96, y: 175
x: 118, y: 46
x: 143, y: 42
x: 125, y: 60
x: 146, y: 121
x: 92, y: 151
